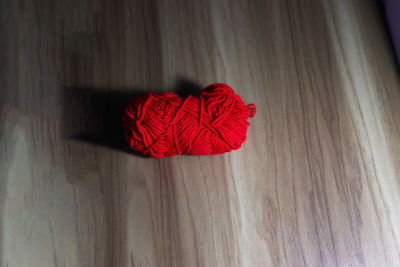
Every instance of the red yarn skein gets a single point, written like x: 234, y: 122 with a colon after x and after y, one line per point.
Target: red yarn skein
x: 163, y: 125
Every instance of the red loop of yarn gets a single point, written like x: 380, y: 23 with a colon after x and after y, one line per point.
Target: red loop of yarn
x: 163, y: 125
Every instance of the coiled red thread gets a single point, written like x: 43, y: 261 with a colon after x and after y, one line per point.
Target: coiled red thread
x: 163, y: 125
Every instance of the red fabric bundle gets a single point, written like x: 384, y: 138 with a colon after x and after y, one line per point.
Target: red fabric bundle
x: 163, y: 125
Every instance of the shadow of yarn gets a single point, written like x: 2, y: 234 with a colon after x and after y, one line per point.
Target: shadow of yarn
x: 185, y: 87
x: 94, y: 114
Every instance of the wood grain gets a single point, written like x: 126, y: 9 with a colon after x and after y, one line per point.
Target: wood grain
x: 316, y: 184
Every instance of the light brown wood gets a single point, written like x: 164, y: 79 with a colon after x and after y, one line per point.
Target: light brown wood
x: 316, y: 184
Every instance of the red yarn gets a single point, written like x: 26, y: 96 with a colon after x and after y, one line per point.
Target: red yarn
x: 163, y: 125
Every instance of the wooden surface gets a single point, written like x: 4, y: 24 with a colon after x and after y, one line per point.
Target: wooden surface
x: 316, y: 184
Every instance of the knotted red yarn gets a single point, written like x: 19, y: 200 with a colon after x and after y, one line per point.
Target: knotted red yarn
x: 163, y: 125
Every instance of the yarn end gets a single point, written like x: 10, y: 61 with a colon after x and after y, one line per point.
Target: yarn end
x: 252, y: 110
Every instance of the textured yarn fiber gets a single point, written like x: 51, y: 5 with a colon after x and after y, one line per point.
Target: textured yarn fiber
x: 163, y: 125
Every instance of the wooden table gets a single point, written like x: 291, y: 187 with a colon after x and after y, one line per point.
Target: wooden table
x: 316, y: 184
